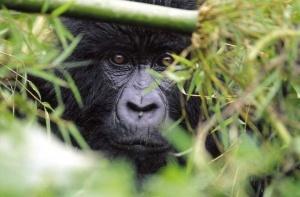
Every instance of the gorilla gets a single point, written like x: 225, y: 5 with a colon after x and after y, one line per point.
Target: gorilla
x: 123, y: 113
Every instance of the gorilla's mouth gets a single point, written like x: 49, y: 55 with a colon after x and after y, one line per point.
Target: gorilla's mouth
x: 141, y: 146
x: 138, y: 138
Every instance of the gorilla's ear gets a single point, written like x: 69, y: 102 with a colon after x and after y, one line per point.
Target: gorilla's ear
x: 182, y: 4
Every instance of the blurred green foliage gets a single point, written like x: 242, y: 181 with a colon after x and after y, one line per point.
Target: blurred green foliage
x: 245, y: 69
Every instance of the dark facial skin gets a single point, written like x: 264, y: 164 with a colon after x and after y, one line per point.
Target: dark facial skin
x: 122, y: 116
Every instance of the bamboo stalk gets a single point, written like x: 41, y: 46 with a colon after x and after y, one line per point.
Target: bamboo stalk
x: 120, y: 11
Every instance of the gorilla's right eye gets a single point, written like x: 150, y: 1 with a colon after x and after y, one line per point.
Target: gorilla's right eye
x: 119, y: 59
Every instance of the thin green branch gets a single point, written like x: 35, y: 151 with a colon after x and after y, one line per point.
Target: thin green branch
x: 126, y: 12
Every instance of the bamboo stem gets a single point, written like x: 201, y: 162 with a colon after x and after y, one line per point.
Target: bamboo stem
x: 120, y: 11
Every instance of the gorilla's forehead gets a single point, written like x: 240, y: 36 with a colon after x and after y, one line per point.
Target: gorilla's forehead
x: 135, y: 38
x: 100, y: 37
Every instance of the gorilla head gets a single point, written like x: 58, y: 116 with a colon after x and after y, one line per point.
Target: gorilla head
x: 122, y: 115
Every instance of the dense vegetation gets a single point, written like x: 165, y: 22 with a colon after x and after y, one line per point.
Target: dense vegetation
x: 244, y: 67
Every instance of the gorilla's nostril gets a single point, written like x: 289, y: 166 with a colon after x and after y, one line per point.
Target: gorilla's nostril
x: 142, y: 108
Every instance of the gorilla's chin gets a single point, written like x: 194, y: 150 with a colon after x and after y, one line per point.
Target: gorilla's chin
x: 145, y: 147
x: 139, y: 139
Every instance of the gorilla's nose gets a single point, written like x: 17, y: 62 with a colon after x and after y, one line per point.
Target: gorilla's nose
x: 141, y: 110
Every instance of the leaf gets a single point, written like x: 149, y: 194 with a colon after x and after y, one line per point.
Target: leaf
x: 62, y: 9
x: 47, y: 76
x: 297, y: 89
x: 67, y: 52
x: 73, y: 88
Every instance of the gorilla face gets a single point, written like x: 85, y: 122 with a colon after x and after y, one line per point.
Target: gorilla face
x: 124, y: 106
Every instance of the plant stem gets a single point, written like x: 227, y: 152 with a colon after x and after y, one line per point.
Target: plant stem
x: 125, y: 12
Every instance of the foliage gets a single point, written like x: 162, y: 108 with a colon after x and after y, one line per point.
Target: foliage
x: 244, y: 68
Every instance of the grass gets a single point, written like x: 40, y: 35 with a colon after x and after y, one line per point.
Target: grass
x: 244, y: 68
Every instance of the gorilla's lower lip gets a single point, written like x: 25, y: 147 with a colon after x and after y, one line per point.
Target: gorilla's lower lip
x: 141, y: 146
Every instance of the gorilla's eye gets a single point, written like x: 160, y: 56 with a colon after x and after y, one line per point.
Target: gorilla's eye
x: 166, y: 59
x: 119, y: 59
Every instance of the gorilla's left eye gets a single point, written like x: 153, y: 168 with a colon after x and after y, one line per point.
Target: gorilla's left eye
x: 166, y: 59
x: 119, y: 59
